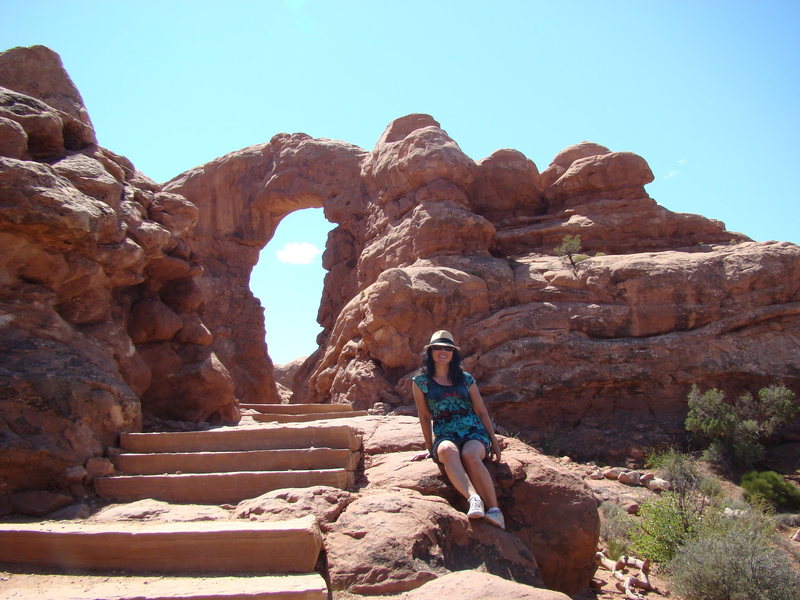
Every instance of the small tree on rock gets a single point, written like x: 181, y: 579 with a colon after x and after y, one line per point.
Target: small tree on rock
x: 570, y: 246
x: 736, y: 429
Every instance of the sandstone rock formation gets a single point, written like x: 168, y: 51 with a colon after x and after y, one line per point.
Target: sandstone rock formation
x: 426, y: 238
x: 99, y: 320
x: 125, y: 299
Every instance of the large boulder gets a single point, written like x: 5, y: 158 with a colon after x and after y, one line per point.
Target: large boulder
x: 476, y: 585
x: 550, y: 511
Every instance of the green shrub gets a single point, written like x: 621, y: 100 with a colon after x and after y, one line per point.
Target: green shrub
x: 772, y: 488
x: 615, y: 527
x: 736, y: 429
x: 570, y: 246
x: 663, y: 528
x: 692, y: 491
x: 676, y: 467
x: 733, y: 557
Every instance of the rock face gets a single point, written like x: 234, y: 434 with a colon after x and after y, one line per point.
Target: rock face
x: 426, y: 238
x: 99, y: 312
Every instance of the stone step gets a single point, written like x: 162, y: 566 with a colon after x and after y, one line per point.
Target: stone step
x: 215, y: 488
x: 290, y: 546
x: 302, y: 418
x: 298, y: 409
x: 232, y: 439
x: 307, y: 586
x: 249, y: 460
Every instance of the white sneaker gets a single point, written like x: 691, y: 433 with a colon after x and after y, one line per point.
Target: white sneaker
x: 495, y: 517
x: 475, y: 507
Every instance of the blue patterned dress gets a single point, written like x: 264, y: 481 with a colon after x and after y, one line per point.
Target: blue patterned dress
x: 454, y: 418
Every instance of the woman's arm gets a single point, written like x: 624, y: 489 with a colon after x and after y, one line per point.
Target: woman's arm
x: 480, y: 409
x: 425, y: 419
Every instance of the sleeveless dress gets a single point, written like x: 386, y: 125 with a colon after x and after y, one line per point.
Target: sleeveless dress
x: 454, y: 419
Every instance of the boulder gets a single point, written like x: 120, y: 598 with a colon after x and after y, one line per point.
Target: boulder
x: 549, y: 510
x: 391, y: 541
x: 477, y: 585
x: 325, y: 503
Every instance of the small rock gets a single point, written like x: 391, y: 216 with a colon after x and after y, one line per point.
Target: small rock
x: 629, y: 478
x: 613, y: 473
x: 73, y: 511
x: 99, y: 467
x: 39, y: 503
x: 78, y: 491
x: 796, y: 537
x: 657, y: 484
x: 631, y: 507
x: 74, y: 474
x: 380, y: 408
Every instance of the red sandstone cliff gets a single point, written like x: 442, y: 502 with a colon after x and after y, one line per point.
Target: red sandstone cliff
x: 604, y: 353
x: 99, y: 309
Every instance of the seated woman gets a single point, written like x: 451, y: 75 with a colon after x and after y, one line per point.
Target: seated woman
x: 456, y: 426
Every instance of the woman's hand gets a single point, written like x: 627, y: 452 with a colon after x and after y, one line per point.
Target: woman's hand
x: 421, y: 455
x: 494, y: 453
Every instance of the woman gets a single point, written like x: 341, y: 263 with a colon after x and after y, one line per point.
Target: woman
x: 456, y: 426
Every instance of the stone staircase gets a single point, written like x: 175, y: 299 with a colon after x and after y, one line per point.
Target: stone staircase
x: 227, y: 465
x: 298, y: 413
x: 199, y: 560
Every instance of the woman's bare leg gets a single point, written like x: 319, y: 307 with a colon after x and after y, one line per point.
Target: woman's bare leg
x: 472, y: 456
x: 450, y: 457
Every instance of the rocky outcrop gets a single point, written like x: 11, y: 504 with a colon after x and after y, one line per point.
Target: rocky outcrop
x: 99, y: 321
x: 426, y: 238
x: 404, y: 525
x: 242, y: 198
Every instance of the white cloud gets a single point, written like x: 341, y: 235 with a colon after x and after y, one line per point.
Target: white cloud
x: 672, y: 174
x: 298, y: 253
x: 683, y: 161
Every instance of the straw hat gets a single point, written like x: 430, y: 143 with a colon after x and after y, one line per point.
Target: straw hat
x: 442, y: 338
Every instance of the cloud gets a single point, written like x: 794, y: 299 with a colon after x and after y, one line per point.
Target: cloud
x: 298, y: 253
x: 675, y: 172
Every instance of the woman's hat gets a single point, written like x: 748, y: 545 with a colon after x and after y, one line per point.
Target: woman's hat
x: 442, y: 338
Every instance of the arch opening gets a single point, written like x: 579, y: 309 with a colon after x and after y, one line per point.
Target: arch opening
x: 288, y: 281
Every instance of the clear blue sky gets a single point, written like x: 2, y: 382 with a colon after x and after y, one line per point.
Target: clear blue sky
x: 706, y: 91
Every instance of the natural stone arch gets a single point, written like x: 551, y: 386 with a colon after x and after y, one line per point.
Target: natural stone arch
x: 242, y: 197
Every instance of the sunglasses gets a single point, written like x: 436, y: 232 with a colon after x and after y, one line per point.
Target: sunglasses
x: 445, y: 348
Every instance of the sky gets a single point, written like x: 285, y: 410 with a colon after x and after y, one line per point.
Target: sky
x: 707, y: 91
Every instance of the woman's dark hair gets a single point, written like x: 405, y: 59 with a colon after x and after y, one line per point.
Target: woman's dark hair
x: 455, y: 373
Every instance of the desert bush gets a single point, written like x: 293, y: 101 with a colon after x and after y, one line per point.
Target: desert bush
x: 734, y: 556
x: 693, y: 491
x: 663, y: 527
x: 736, y: 429
x: 570, y: 246
x: 678, y: 468
x: 615, y: 527
x: 771, y: 487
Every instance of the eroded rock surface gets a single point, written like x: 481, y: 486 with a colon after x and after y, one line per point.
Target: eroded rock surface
x: 403, y: 524
x: 125, y: 299
x: 99, y: 321
x: 426, y: 238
